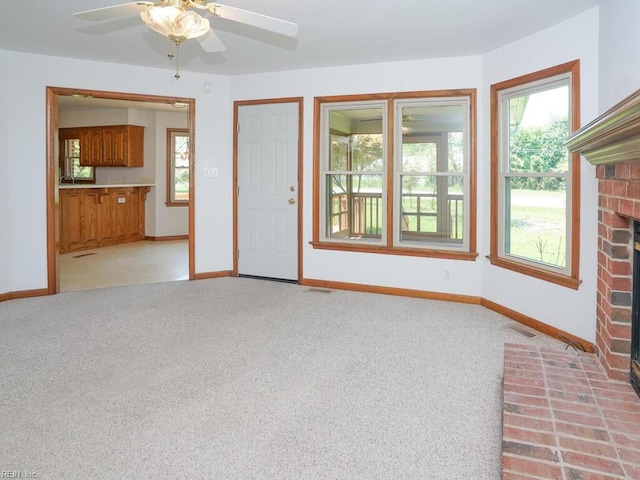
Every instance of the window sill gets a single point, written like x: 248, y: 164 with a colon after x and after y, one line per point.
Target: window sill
x: 384, y: 250
x: 177, y: 204
x: 539, y: 273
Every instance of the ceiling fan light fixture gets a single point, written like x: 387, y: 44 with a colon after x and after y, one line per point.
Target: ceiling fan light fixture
x: 175, y: 23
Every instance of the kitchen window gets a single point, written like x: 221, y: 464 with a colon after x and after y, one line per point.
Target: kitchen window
x: 395, y: 173
x: 70, y: 169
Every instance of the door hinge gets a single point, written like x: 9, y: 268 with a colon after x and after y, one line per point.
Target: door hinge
x: 238, y: 253
x: 237, y: 189
x: 238, y: 127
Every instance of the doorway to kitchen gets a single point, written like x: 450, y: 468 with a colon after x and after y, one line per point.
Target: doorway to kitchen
x: 121, y: 187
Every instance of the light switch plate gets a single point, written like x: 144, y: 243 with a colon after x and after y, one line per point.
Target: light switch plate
x: 210, y: 172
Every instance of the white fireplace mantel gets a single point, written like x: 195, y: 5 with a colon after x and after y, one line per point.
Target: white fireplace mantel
x: 612, y: 137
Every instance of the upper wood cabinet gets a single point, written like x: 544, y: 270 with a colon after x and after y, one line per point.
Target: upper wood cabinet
x: 112, y: 146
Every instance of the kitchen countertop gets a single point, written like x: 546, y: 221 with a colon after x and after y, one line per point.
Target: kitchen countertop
x: 104, y: 185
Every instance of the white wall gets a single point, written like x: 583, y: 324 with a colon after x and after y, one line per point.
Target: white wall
x: 363, y: 268
x: 5, y: 178
x: 569, y: 310
x: 26, y: 140
x: 619, y: 51
x: 169, y: 220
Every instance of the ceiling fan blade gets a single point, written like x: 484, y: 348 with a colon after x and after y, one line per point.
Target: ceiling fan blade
x: 254, y: 19
x: 115, y: 11
x: 211, y: 43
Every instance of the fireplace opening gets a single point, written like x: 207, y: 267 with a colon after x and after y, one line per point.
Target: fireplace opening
x: 635, y: 312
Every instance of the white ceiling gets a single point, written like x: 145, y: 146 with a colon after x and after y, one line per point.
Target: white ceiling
x: 331, y: 32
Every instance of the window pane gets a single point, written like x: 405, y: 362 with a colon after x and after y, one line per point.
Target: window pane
x: 72, y: 152
x: 181, y: 151
x: 73, y: 147
x: 178, y: 166
x: 81, y: 173
x: 536, y: 221
x: 419, y: 157
x: 356, y: 139
x: 181, y: 182
x: 455, y: 151
x: 354, y: 206
x: 538, y: 126
x: 366, y: 153
x: 432, y: 209
x: 339, y: 153
x: 357, y: 120
x: 425, y: 128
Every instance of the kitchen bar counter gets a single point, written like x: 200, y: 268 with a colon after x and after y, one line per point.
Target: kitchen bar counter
x: 94, y: 216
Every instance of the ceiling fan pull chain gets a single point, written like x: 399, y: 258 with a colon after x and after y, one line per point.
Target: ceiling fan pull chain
x: 170, y: 55
x: 177, y: 75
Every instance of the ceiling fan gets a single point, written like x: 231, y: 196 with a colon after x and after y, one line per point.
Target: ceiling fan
x: 178, y: 20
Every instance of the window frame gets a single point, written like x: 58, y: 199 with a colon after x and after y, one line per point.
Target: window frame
x: 442, y: 157
x: 171, y: 134
x: 530, y: 83
x: 388, y: 243
x: 326, y: 135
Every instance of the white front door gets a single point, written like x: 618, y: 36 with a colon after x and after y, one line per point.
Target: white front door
x: 268, y: 190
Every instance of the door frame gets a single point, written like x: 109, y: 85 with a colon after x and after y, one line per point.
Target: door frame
x: 236, y: 107
x: 52, y: 195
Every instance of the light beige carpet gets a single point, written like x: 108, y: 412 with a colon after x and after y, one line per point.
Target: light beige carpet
x: 248, y: 379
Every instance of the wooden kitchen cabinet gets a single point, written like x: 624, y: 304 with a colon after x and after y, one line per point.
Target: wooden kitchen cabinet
x: 90, y: 146
x: 112, y: 146
x: 98, y: 217
x: 128, y: 214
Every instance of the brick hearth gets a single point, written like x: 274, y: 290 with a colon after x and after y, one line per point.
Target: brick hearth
x: 563, y: 418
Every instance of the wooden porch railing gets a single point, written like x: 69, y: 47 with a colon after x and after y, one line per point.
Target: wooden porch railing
x: 361, y: 214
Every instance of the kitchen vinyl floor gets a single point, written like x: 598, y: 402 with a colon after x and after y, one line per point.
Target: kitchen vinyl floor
x: 125, y: 264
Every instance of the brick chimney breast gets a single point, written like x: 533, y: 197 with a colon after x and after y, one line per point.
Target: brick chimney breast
x: 612, y: 143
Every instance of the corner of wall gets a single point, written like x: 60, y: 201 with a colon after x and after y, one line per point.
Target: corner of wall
x: 5, y: 213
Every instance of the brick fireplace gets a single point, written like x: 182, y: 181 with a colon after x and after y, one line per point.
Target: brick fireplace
x: 612, y: 143
x: 566, y: 414
x: 619, y: 205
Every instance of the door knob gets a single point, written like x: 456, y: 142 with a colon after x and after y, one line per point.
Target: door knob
x: 292, y: 201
